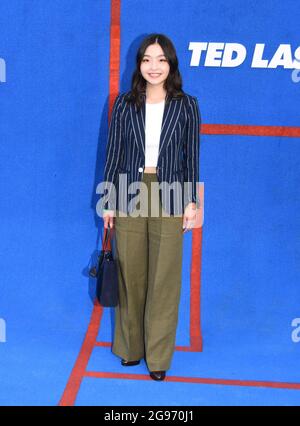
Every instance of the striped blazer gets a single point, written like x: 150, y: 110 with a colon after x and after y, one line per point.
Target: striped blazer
x: 178, y: 157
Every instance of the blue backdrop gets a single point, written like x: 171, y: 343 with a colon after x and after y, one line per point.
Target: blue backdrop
x: 53, y: 130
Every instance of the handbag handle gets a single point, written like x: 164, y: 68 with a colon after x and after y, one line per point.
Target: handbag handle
x: 107, y: 238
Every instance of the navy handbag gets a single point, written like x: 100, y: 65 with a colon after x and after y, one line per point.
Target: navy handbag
x: 106, y: 273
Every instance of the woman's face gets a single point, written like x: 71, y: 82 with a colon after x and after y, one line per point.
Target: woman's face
x: 154, y: 66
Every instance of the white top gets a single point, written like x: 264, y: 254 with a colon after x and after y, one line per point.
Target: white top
x: 154, y: 116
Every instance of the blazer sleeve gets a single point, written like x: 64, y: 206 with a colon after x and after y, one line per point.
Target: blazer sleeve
x: 114, y: 149
x: 191, y: 152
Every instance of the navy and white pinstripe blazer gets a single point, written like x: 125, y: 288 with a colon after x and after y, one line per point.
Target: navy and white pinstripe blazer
x: 178, y: 157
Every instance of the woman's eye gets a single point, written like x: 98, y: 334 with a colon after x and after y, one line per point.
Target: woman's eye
x: 145, y: 60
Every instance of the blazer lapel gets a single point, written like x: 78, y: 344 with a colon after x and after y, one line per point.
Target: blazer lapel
x: 171, y: 115
x: 138, y: 126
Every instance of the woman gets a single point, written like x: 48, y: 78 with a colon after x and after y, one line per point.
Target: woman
x: 153, y: 140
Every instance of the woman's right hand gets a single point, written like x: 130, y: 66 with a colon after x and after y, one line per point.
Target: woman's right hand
x: 108, y: 218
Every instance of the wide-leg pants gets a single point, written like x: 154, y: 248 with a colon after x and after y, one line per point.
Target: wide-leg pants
x: 149, y: 252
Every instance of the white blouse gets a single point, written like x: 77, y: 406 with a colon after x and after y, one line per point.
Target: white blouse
x: 154, y: 116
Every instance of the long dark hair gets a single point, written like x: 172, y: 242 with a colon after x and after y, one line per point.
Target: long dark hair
x: 173, y: 83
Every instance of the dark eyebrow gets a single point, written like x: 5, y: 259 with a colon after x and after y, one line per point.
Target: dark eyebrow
x: 157, y: 55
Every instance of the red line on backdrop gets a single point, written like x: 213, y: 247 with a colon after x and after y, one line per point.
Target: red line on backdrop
x: 196, y: 341
x: 249, y: 130
x: 114, y: 59
x: 71, y: 390
x: 194, y: 348
x: 198, y: 380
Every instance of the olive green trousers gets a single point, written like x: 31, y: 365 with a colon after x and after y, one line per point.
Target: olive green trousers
x: 149, y: 252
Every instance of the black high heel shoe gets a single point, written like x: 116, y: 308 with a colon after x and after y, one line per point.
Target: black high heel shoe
x: 157, y: 375
x: 129, y: 363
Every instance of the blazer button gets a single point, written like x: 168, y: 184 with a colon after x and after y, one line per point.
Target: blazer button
x: 140, y: 169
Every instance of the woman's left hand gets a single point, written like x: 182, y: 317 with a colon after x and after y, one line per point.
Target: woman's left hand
x: 189, y: 217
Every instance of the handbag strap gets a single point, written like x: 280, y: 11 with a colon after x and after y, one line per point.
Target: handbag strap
x: 106, y: 243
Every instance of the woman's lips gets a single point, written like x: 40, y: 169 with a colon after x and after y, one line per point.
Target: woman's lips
x: 154, y: 75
